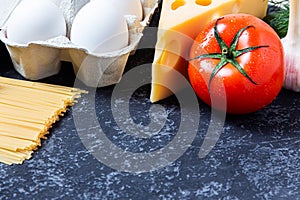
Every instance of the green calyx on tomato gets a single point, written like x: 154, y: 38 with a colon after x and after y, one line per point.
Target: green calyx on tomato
x: 230, y: 90
x: 228, y: 54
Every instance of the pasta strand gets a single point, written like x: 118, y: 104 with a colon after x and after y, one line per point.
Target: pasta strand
x: 27, y: 111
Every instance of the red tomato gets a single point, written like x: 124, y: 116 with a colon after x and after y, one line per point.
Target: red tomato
x: 237, y: 64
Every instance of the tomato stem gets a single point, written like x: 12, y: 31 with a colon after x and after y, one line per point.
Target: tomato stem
x: 228, y: 54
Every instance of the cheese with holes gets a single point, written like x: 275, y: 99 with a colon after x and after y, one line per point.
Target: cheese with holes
x: 180, y: 22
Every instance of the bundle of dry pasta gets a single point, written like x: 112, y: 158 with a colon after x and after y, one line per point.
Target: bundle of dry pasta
x: 27, y: 112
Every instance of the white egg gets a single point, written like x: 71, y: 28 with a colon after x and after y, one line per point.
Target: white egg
x: 99, y: 28
x: 128, y: 7
x: 57, y: 2
x: 35, y: 20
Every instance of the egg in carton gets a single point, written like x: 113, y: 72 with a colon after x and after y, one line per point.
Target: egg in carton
x: 42, y: 58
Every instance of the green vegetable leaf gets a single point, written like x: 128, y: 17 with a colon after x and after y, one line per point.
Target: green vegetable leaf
x: 278, y: 17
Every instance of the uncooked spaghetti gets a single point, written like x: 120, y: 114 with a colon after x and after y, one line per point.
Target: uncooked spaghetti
x: 27, y: 111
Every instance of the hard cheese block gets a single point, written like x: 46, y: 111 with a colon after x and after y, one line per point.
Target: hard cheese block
x: 180, y: 22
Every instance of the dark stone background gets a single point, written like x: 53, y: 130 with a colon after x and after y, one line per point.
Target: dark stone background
x: 256, y: 157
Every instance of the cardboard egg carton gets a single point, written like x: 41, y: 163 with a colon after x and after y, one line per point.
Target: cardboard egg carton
x: 41, y: 59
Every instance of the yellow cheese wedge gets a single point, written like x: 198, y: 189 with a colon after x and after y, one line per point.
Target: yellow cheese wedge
x: 180, y: 22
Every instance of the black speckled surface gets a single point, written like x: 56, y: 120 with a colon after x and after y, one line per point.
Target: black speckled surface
x: 256, y: 157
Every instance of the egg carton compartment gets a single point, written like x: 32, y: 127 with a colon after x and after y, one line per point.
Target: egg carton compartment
x: 41, y: 59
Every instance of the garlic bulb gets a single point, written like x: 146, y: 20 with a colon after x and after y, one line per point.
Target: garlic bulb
x: 291, y: 45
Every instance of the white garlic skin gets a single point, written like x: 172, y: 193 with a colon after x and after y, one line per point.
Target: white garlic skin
x: 292, y: 64
x: 291, y: 45
x: 35, y: 20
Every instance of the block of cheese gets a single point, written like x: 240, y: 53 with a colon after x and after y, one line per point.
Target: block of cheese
x: 180, y: 22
